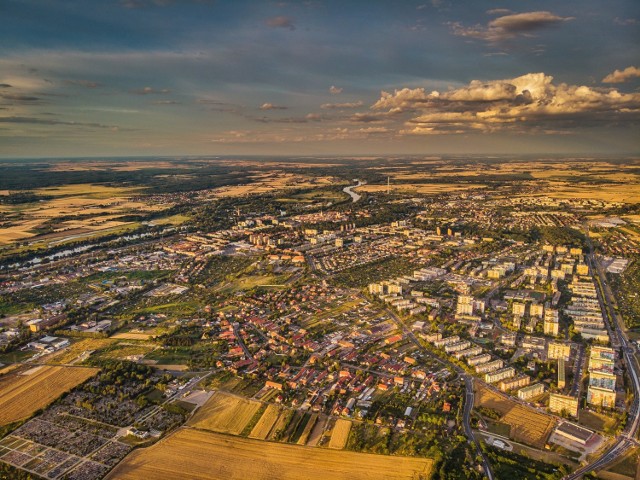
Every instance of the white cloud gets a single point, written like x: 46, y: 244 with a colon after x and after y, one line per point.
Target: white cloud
x: 621, y: 76
x: 335, y: 90
x: 519, y: 104
x: 271, y: 106
x: 509, y: 26
x: 341, y: 105
x: 151, y: 91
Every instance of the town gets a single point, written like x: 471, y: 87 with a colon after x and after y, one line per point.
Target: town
x: 491, y: 329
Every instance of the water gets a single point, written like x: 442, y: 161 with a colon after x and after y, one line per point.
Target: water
x: 354, y: 196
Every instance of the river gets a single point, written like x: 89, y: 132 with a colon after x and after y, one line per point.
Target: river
x: 354, y: 196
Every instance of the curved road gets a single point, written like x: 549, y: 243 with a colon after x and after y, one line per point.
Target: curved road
x: 468, y: 380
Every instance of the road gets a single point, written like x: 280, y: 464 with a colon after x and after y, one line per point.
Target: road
x: 468, y: 380
x: 626, y: 439
x: 188, y: 387
x: 240, y: 340
x: 578, y: 370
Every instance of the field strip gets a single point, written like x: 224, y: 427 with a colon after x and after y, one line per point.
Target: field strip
x: 200, y: 455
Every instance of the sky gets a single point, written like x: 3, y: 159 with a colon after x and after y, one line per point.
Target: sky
x: 318, y: 77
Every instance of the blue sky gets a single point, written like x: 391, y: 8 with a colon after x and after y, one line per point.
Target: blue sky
x: 174, y: 77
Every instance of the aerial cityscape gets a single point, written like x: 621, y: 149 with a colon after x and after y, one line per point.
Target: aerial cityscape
x: 319, y: 239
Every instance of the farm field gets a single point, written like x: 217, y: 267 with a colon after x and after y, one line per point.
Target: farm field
x: 340, y: 434
x: 419, y: 187
x: 304, y: 436
x: 204, y: 455
x: 100, y: 206
x: 225, y: 413
x: 21, y: 395
x: 527, y: 426
x: 265, y: 423
x: 270, y: 182
x: 131, y: 336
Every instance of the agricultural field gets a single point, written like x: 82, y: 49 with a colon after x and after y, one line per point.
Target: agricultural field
x: 265, y: 183
x: 308, y: 428
x: 427, y: 188
x: 205, y: 455
x: 265, y: 423
x: 225, y: 413
x: 131, y: 336
x: 24, y: 393
x: 527, y: 426
x: 340, y: 434
x: 279, y: 429
x: 84, y: 210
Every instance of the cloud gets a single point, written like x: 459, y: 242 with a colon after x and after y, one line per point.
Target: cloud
x: 165, y: 102
x: 328, y: 106
x: 19, y: 97
x: 499, y: 11
x: 83, y: 83
x: 281, y: 22
x: 314, y: 117
x: 150, y: 91
x: 373, y: 130
x: 271, y: 106
x: 157, y: 3
x: 621, y: 76
x: 5, y: 85
x: 625, y: 21
x: 46, y: 121
x: 367, y: 117
x: 527, y: 104
x: 509, y: 26
x: 335, y: 90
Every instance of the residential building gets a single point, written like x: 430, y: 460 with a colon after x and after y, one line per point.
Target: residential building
x: 531, y: 391
x: 563, y: 403
x: 500, y: 374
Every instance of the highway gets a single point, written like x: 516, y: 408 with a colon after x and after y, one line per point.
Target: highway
x: 627, y: 438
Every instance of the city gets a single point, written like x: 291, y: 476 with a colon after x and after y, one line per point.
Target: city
x: 350, y: 320
x: 319, y: 239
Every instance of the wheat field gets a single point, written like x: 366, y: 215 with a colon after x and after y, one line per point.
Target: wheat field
x: 21, y: 395
x: 198, y: 455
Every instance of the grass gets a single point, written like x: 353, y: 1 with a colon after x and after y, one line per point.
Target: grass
x: 627, y: 465
x: 171, y: 355
x: 252, y: 281
x: 76, y: 349
x: 121, y: 351
x: 22, y: 395
x: 597, y: 421
x: 202, y: 455
x: 498, y: 428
